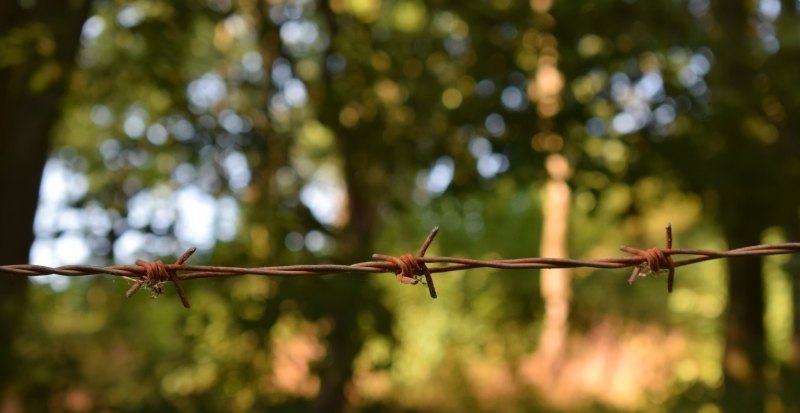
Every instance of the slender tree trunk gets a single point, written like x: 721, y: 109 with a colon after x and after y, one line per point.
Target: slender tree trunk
x: 349, y: 295
x: 30, y: 93
x: 556, y: 287
x: 745, y: 353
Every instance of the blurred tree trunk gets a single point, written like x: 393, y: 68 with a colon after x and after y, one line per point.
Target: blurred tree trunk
x: 556, y: 287
x: 789, y: 58
x: 745, y: 353
x: 349, y: 296
x: 40, y: 45
x: 555, y: 283
x: 742, y: 200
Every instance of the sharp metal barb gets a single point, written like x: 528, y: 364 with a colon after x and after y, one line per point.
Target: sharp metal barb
x: 670, y: 266
x: 408, y: 268
x: 173, y: 275
x: 669, y: 236
x: 428, y: 241
x: 134, y: 288
x: 423, y: 267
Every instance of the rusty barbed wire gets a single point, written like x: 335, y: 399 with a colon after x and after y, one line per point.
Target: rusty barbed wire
x: 408, y: 268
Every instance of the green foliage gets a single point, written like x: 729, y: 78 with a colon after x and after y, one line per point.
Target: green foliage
x: 324, y: 131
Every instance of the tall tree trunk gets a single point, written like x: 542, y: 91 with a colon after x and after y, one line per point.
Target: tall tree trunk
x: 745, y: 353
x: 45, y: 38
x: 743, y: 200
x: 556, y: 287
x: 351, y: 294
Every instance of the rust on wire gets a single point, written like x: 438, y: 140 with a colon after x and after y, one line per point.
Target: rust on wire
x: 156, y: 273
x: 408, y: 268
x: 654, y: 261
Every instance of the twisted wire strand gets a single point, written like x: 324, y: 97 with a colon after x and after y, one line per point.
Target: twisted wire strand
x: 408, y: 268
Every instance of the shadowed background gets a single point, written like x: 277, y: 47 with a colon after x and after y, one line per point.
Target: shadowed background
x: 267, y: 132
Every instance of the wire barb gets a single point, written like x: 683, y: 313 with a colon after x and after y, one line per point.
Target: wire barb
x: 408, y: 268
x: 156, y: 273
x: 654, y: 260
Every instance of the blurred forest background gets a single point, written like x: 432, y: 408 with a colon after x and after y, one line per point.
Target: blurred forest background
x: 270, y: 132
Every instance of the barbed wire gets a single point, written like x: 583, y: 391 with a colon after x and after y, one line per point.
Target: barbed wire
x: 408, y: 268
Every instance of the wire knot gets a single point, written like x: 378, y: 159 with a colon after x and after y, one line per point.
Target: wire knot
x: 156, y: 273
x: 654, y: 260
x: 657, y: 259
x: 409, y: 269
